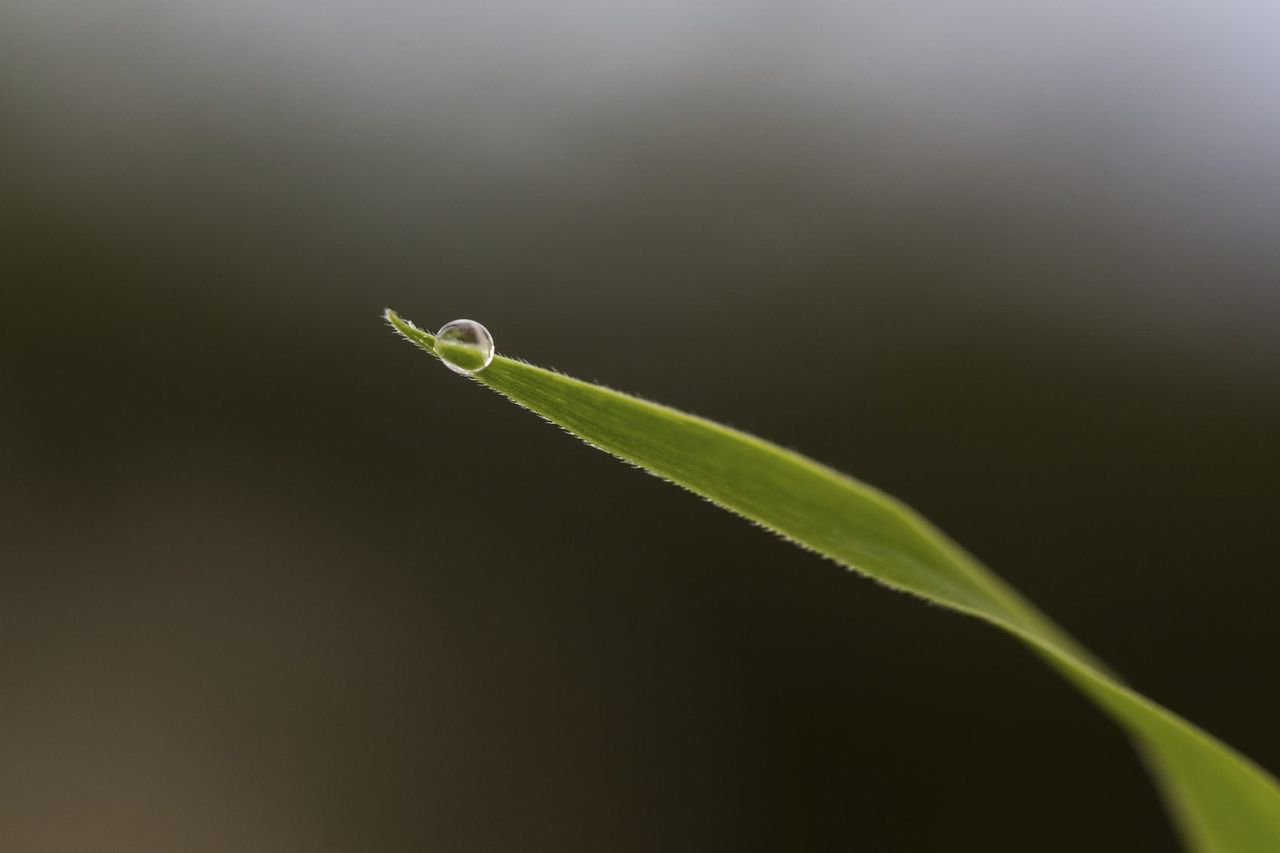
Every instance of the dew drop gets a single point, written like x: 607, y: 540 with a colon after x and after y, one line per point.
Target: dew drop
x: 464, y: 346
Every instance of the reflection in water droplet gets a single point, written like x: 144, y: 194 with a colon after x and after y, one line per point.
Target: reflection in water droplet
x: 465, y: 346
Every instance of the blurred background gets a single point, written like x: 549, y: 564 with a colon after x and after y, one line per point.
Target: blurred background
x: 271, y: 580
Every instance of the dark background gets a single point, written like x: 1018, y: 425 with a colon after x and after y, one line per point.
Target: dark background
x: 271, y: 580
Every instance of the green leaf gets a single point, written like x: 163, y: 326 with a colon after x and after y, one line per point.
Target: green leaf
x: 1220, y: 799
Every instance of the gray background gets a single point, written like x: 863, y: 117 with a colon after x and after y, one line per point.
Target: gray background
x: 272, y: 581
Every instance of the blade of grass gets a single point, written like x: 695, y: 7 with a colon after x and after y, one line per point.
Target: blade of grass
x: 1220, y: 800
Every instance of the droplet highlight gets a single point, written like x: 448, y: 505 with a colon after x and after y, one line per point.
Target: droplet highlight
x: 464, y: 346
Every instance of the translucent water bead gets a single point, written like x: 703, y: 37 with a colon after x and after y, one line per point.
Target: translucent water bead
x: 465, y: 346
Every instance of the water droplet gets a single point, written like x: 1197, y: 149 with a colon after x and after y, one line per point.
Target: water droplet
x: 464, y: 346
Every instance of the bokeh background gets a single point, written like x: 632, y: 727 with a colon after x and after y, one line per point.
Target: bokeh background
x: 271, y: 580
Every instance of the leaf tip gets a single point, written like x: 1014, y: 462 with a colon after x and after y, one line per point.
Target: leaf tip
x: 410, y: 332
